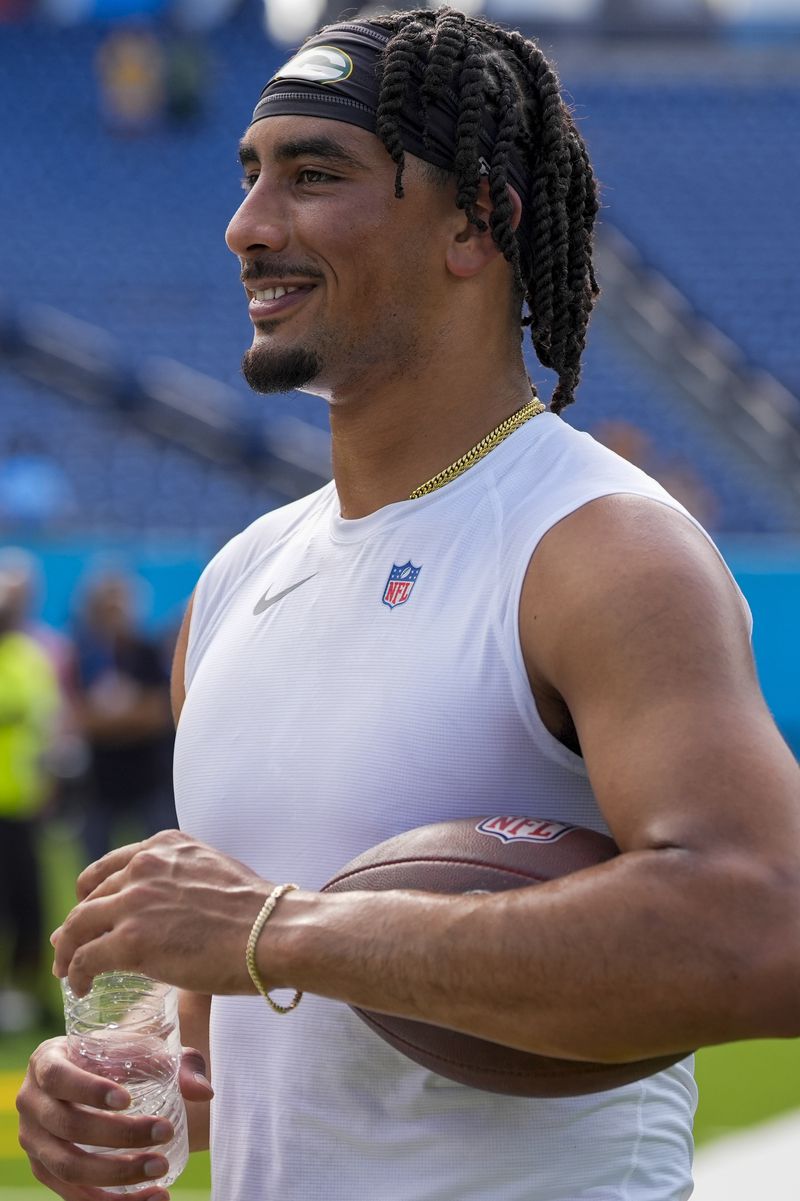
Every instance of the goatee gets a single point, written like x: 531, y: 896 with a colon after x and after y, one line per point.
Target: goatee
x: 281, y: 370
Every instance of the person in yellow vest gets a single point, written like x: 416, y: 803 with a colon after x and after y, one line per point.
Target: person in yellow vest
x: 28, y: 706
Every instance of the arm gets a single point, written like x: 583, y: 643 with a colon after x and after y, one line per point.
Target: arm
x: 142, y: 710
x: 177, y: 687
x: 146, y: 714
x: 194, y: 1010
x: 691, y: 936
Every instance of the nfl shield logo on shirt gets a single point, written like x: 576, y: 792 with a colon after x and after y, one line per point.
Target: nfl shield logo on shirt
x: 401, y: 580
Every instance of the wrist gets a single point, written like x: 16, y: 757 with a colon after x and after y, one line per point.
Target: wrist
x: 283, y: 947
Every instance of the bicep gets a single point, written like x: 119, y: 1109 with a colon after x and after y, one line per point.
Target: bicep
x: 639, y: 627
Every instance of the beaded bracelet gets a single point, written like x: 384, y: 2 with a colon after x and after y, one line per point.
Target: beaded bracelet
x: 250, y: 955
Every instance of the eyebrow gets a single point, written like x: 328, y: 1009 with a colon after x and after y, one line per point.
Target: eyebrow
x: 321, y: 147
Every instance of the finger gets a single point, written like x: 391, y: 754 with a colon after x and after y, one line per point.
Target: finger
x: 77, y: 1192
x: 72, y: 1165
x: 82, y: 925
x: 107, y: 953
x: 76, y: 1124
x: 192, y: 1077
x: 97, y: 872
x: 113, y: 883
x: 52, y: 1074
x: 111, y: 886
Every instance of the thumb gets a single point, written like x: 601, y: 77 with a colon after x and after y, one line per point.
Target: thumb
x: 194, y: 1082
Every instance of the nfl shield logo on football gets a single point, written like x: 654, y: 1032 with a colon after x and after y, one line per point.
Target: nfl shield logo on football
x: 400, y: 583
x: 523, y: 829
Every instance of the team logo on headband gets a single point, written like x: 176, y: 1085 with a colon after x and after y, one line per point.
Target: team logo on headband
x: 318, y: 64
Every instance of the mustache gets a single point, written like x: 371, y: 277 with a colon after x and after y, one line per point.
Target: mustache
x: 273, y: 269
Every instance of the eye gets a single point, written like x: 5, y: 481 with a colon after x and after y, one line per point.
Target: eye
x: 310, y: 175
x: 249, y: 181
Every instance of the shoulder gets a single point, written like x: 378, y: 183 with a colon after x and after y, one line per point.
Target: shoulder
x: 628, y: 574
x: 560, y: 470
x: 244, y: 551
x: 27, y: 668
x: 226, y: 570
x: 26, y: 649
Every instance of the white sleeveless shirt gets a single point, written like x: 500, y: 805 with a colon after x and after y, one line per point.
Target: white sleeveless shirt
x: 347, y: 680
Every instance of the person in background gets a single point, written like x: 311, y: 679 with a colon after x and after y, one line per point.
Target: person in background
x: 66, y: 754
x: 28, y: 706
x: 124, y: 714
x: 57, y: 646
x: 130, y: 68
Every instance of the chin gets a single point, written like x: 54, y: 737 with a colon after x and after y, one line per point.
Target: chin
x: 268, y: 369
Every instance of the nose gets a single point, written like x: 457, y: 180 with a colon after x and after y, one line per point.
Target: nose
x: 258, y: 223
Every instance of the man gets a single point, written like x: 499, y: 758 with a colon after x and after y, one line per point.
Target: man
x: 28, y: 709
x: 485, y: 612
x: 124, y: 714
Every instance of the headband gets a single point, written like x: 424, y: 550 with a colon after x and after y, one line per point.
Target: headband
x: 335, y: 75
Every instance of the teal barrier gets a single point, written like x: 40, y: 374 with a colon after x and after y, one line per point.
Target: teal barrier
x: 166, y: 571
x: 767, y: 569
x: 768, y: 572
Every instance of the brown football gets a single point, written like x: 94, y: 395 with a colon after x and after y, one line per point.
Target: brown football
x: 487, y: 854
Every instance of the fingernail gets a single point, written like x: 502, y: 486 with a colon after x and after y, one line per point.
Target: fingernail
x: 161, y: 1131
x: 116, y: 1099
x: 203, y: 1080
x: 155, y: 1167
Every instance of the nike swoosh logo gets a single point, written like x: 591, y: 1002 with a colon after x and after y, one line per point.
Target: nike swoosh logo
x: 265, y: 603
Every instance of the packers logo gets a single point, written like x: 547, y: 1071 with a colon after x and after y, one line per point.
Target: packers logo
x: 318, y: 64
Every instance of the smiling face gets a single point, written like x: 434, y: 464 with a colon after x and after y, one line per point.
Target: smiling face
x: 345, y: 282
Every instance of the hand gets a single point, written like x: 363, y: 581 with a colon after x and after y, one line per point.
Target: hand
x: 60, y: 1105
x: 171, y: 908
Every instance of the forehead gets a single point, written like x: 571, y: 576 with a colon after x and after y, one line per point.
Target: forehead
x: 280, y: 138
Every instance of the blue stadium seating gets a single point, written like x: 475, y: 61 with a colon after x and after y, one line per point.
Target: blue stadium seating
x: 127, y: 233
x: 703, y: 179
x: 125, y: 481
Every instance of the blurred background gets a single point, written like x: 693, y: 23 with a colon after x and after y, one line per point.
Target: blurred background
x: 131, y: 449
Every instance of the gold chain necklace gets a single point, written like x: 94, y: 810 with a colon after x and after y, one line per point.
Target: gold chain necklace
x: 481, y: 449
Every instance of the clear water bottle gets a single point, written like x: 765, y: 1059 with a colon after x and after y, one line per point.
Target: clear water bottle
x: 126, y: 1029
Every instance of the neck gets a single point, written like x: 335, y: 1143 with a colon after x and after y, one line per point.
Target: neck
x: 394, y: 435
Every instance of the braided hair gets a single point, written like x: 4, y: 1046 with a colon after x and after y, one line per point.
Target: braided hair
x: 489, y: 67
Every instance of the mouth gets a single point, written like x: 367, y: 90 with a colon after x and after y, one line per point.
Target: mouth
x: 266, y: 303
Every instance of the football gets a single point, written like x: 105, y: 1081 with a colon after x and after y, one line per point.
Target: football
x: 487, y: 854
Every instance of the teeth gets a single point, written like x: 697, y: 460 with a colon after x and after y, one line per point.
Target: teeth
x: 275, y: 293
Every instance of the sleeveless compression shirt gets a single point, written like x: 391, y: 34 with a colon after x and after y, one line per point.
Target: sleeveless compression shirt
x: 348, y: 680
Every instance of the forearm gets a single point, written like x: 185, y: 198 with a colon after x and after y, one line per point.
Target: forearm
x: 195, y: 1010
x: 652, y: 953
x: 145, y: 717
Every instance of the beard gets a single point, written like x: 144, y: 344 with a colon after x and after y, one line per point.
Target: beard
x: 279, y: 370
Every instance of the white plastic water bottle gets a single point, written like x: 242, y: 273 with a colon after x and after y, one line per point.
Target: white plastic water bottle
x: 126, y: 1029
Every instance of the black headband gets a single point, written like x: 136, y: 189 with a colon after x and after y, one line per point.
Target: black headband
x: 334, y: 75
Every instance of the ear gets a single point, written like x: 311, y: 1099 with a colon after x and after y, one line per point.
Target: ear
x: 471, y: 249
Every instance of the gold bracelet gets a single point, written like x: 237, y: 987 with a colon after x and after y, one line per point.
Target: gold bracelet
x: 250, y: 956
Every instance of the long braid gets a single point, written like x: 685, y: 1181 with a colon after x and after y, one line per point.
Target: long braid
x: 472, y: 88
x: 449, y: 38
x: 487, y: 66
x: 399, y: 58
x: 502, y: 208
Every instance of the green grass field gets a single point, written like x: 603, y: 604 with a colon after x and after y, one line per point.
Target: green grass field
x: 740, y: 1085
